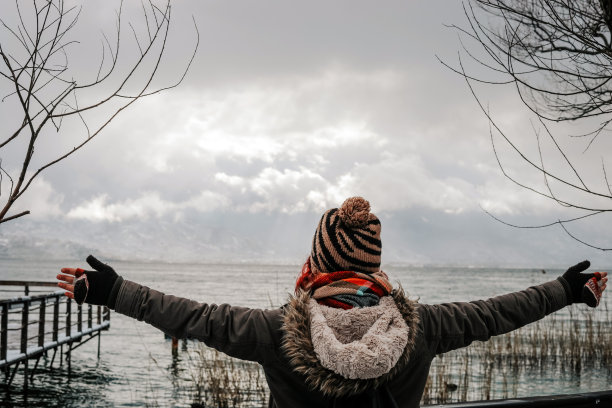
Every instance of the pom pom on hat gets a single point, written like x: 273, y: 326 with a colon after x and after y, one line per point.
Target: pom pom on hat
x: 355, y: 212
x: 347, y: 239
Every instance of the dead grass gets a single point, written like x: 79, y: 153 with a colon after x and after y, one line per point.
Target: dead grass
x: 220, y: 381
x: 556, y: 348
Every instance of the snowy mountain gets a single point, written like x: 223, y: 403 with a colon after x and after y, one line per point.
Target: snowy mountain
x: 418, y: 237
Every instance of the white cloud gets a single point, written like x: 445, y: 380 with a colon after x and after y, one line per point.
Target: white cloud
x: 233, y: 181
x: 148, y: 205
x: 297, y: 118
x: 402, y: 181
x: 205, y: 201
x: 41, y: 199
x: 345, y: 134
x: 276, y: 190
x: 305, y: 143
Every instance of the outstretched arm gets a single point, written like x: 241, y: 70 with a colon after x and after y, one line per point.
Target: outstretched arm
x: 248, y: 334
x: 453, y: 325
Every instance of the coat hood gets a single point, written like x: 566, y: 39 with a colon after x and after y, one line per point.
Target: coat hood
x: 346, y: 352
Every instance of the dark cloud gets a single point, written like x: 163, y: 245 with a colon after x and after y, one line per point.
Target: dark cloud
x: 289, y: 108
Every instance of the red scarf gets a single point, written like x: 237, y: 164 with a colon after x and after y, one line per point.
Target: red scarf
x: 329, y: 288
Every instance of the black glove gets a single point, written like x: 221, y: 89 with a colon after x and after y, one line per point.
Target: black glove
x: 97, y: 287
x: 574, y: 282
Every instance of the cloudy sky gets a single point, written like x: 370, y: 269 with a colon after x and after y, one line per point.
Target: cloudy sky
x: 288, y: 109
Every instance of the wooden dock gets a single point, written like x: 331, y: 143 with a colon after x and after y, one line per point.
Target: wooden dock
x: 32, y: 325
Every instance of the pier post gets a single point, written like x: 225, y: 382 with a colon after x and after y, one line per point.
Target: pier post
x: 53, y: 358
x: 4, y: 338
x: 69, y: 358
x: 24, y: 341
x: 79, y: 318
x: 56, y: 318
x: 4, y: 332
x: 25, y: 375
x: 34, y: 369
x: 174, y: 346
x: 24, y: 326
x: 68, y: 316
x: 41, y: 322
x: 68, y: 330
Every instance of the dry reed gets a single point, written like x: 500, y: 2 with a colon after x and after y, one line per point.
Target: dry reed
x: 553, y: 350
x: 220, y: 381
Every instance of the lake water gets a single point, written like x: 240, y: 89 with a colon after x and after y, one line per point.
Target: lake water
x: 136, y: 367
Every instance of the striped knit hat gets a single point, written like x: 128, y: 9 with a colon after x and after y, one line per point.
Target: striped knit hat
x: 347, y: 239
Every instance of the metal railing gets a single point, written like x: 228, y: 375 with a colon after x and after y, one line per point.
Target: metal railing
x: 32, y: 325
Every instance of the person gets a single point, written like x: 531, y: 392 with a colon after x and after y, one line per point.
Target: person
x: 347, y: 338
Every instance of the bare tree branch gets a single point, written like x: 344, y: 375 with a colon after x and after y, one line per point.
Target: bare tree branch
x: 35, y: 61
x: 564, y: 41
x: 12, y: 217
x: 558, y: 56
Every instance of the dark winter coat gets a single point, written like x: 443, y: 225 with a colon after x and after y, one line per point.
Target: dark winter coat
x: 302, y: 372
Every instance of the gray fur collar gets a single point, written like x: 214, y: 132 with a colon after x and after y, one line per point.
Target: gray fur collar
x: 298, y: 347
